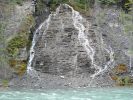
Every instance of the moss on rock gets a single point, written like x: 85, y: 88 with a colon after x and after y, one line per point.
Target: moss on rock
x: 15, y: 44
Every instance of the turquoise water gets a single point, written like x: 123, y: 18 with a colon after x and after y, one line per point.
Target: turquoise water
x: 80, y: 94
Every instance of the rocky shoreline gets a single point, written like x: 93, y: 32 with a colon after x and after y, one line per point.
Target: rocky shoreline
x: 47, y: 81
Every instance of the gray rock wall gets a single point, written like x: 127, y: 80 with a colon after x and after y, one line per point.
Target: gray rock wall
x: 60, y: 60
x: 12, y: 17
x: 58, y: 50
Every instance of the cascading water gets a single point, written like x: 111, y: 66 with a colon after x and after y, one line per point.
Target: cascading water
x: 71, y: 51
x: 77, y: 21
x: 32, y: 52
x: 30, y: 70
x: 45, y: 24
x: 108, y: 64
x: 78, y: 24
x: 83, y: 39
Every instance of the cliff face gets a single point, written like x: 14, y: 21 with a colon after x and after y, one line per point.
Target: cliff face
x: 69, y: 50
x: 16, y: 21
x: 112, y: 31
x: 57, y: 49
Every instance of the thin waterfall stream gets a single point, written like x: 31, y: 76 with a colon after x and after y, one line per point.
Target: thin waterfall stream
x: 83, y: 39
x: 45, y: 24
x: 77, y: 20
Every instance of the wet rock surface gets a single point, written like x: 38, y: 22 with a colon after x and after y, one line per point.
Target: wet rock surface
x: 58, y: 50
x: 60, y: 59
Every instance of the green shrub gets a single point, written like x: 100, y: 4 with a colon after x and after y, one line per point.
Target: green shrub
x: 124, y: 81
x: 15, y: 44
x: 127, y: 5
x: 21, y: 40
x: 128, y: 28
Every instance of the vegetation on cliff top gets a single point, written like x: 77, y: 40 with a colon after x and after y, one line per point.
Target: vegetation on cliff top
x: 85, y: 4
x: 80, y: 5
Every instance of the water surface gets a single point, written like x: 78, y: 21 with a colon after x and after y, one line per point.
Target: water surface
x: 70, y: 94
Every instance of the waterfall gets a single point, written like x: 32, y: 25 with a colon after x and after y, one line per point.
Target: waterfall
x: 45, y: 25
x: 30, y: 70
x: 108, y: 64
x: 78, y: 24
x: 77, y: 20
x: 32, y: 52
x: 83, y: 39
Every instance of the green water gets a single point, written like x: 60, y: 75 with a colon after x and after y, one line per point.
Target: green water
x: 80, y: 94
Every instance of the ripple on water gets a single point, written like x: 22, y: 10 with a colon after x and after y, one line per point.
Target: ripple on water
x: 83, y: 94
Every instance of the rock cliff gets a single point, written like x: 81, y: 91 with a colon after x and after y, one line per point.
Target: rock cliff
x: 78, y: 49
